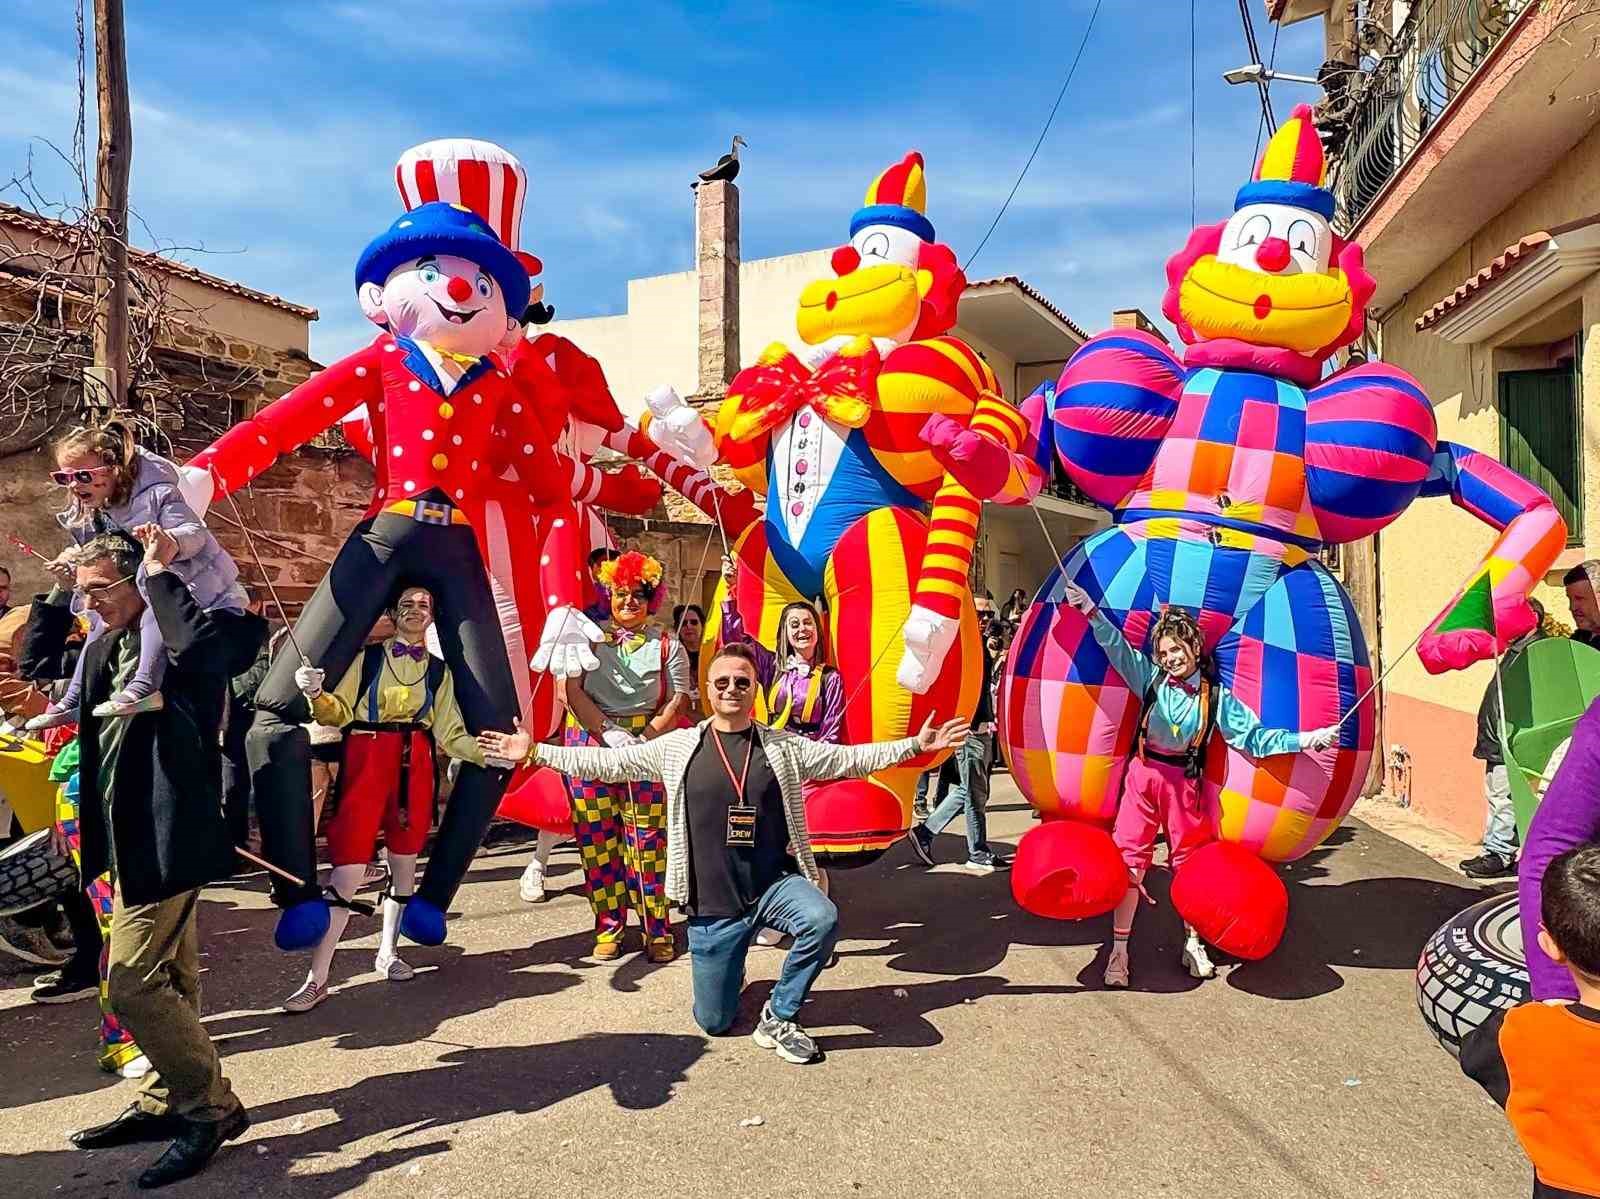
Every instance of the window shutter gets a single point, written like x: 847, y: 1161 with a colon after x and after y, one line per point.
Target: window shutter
x: 1541, y: 439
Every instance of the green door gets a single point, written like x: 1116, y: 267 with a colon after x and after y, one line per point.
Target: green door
x: 1541, y: 437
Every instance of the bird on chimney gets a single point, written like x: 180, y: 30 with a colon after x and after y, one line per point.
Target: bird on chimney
x: 727, y: 167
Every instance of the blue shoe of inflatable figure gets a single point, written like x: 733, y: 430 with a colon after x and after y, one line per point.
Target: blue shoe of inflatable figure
x: 422, y: 922
x: 302, y: 925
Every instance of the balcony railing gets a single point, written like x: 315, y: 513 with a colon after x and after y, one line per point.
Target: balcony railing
x: 1379, y: 118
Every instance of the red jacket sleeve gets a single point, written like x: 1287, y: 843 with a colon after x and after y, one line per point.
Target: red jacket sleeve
x: 286, y: 424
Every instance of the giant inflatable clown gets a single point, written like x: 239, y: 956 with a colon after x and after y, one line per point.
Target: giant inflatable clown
x: 1226, y: 468
x: 454, y: 436
x: 875, y: 452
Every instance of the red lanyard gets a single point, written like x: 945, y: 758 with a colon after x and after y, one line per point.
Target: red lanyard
x: 738, y: 780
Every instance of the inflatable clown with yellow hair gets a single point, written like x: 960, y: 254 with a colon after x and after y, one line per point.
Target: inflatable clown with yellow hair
x: 874, y: 447
x: 1227, y: 467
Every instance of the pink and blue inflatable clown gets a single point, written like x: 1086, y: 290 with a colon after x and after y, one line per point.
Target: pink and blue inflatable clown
x: 1227, y: 467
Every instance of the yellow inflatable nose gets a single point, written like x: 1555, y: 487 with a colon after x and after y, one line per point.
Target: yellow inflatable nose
x: 877, y: 301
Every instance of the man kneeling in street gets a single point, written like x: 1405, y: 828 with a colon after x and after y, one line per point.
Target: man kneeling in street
x: 738, y: 852
x: 151, y: 813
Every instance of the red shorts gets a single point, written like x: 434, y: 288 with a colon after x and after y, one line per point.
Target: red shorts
x: 370, y: 800
x: 1155, y: 795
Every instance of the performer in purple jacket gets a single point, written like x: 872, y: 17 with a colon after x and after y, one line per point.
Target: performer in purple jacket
x: 1567, y: 817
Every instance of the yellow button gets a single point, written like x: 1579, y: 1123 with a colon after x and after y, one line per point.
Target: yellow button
x: 440, y: 462
x: 446, y: 410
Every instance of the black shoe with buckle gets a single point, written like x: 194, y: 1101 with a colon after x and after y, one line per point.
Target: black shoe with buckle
x: 133, y: 1127
x: 192, y: 1149
x: 1488, y: 864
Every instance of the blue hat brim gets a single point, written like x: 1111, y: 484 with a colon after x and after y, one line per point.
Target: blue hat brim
x: 389, y: 249
x: 1284, y: 191
x: 898, y: 215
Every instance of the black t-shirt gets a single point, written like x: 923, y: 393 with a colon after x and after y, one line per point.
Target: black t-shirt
x: 725, y: 881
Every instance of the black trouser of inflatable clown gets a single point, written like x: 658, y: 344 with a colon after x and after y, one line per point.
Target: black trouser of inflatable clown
x: 434, y: 548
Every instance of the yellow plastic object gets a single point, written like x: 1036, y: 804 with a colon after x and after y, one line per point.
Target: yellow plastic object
x: 25, y: 782
x: 1546, y: 689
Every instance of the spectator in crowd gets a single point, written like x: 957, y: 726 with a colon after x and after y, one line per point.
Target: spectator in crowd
x: 1580, y: 583
x: 151, y: 792
x: 738, y: 850
x: 1016, y: 608
x: 1498, y: 858
x: 1537, y: 1060
x: 599, y: 607
x: 964, y: 781
x: 5, y: 590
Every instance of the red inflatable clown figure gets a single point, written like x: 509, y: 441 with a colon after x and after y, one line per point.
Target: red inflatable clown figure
x: 1226, y: 469
x: 445, y: 289
x: 874, y: 452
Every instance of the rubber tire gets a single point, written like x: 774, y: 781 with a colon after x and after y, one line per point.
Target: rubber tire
x: 1471, y: 966
x: 30, y: 874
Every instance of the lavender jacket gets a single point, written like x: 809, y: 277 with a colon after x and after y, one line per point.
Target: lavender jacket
x: 205, y: 567
x: 1568, y: 816
x: 789, y: 686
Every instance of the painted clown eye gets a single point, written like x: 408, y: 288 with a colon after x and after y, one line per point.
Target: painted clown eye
x: 1254, y: 231
x: 485, y: 287
x: 429, y: 274
x: 1303, y: 238
x: 874, y: 245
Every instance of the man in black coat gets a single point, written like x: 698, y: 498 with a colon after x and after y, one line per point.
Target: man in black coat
x: 151, y: 811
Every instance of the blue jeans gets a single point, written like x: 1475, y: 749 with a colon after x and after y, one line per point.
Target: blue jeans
x: 718, y: 945
x: 971, y: 792
x: 1500, y: 830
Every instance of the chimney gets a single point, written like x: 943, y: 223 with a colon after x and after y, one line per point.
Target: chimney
x: 1134, y: 318
x: 716, y: 214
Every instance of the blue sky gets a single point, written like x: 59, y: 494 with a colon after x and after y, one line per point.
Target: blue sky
x: 267, y: 132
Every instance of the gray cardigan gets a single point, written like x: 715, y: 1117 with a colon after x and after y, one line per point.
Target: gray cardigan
x: 795, y: 760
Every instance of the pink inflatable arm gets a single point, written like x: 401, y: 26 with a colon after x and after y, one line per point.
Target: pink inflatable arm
x: 1532, y: 533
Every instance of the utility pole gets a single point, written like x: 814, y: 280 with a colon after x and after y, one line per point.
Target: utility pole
x: 105, y: 387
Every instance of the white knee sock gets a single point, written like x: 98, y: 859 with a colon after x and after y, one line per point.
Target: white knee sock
x: 402, y: 876
x: 547, y: 844
x: 345, y: 880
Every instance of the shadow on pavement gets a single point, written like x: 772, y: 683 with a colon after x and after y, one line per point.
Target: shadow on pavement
x: 640, y: 1071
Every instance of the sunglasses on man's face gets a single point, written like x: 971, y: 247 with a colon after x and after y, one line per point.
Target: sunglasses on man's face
x: 737, y: 682
x: 65, y: 478
x: 100, y: 590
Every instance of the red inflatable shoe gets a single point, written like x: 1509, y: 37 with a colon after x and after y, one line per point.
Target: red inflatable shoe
x: 1067, y: 870
x: 538, y: 798
x: 1233, y: 899
x: 853, y: 822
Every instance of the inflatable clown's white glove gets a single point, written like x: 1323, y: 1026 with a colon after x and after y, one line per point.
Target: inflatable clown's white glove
x: 564, y: 644
x: 197, y: 487
x: 678, y: 428
x: 929, y: 637
x: 1323, y: 738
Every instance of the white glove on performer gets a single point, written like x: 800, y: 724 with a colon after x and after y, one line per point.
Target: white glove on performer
x: 309, y: 679
x: 619, y: 738
x: 1321, y: 738
x: 1078, y: 598
x: 564, y: 644
x: 678, y: 429
x: 197, y: 488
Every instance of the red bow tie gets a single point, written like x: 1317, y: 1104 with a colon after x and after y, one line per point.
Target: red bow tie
x: 1183, y: 685
x: 770, y: 392
x: 415, y: 652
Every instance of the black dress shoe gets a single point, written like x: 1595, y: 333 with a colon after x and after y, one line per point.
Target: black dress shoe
x: 193, y: 1147
x: 1488, y: 864
x: 132, y: 1127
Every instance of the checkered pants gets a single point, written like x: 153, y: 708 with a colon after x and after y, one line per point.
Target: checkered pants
x: 117, y: 1047
x: 622, y: 838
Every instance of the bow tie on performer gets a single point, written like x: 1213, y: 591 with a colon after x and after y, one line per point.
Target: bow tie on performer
x: 444, y: 288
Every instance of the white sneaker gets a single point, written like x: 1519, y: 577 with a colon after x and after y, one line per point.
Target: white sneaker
x: 1195, y: 959
x: 123, y: 705
x: 136, y: 1068
x: 1117, y: 968
x: 531, y: 885
x: 393, y: 969
x: 310, y: 994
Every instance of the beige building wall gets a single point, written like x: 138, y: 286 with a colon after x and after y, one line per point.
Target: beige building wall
x: 1430, y: 550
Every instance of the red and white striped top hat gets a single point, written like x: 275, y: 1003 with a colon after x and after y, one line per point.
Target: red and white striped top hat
x: 479, y: 175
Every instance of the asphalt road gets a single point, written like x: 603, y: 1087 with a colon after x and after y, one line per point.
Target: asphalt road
x: 971, y: 1051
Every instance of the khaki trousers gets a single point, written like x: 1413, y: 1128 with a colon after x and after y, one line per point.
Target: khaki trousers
x: 154, y: 982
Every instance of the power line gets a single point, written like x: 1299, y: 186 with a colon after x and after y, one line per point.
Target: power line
x: 1065, y: 83
x: 1192, y: 185
x: 1255, y: 57
x: 1272, y: 61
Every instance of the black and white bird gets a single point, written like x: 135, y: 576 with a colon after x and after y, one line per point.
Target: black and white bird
x: 727, y: 167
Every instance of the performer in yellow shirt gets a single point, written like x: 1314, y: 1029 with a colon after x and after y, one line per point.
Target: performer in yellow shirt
x: 395, y: 704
